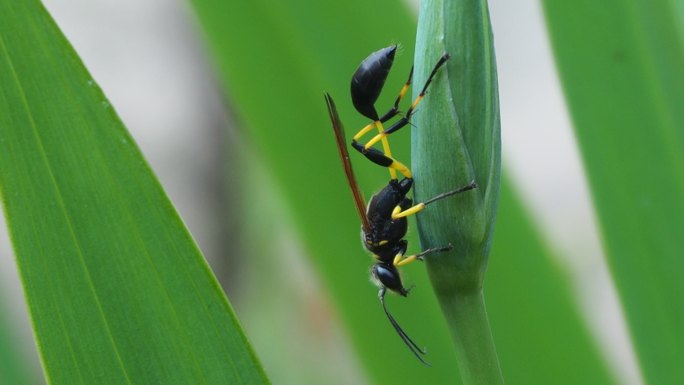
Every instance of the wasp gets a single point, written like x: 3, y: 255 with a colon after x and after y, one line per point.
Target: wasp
x: 384, y: 220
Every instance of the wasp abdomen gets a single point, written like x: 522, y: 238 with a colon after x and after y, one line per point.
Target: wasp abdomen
x: 368, y: 80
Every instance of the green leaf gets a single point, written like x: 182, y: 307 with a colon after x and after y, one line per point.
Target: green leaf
x: 621, y: 64
x: 116, y: 287
x: 540, y: 336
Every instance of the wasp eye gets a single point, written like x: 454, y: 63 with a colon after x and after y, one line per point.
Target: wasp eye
x: 388, y: 276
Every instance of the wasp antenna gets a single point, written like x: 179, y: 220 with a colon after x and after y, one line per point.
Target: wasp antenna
x: 413, y: 347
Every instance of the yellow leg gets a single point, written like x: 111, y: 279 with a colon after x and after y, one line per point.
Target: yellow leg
x: 405, y: 261
x: 416, y: 102
x: 381, y: 136
x: 387, y: 151
x: 408, y: 211
x: 397, y: 165
x: 385, y: 147
x: 364, y: 131
x: 399, y: 259
x: 403, y: 91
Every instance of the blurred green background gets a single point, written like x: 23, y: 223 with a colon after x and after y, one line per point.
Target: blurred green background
x: 225, y: 101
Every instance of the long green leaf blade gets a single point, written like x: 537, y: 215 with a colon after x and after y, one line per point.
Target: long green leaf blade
x: 117, y: 289
x: 540, y: 336
x: 621, y: 63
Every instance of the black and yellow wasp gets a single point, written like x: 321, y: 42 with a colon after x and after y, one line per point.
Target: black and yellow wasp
x: 383, y: 221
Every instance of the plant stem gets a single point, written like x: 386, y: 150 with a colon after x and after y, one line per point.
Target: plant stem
x: 478, y: 362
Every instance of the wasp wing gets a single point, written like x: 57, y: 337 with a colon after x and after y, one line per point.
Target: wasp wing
x: 344, y: 155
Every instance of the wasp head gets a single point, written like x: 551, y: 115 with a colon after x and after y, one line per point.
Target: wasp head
x: 386, y: 275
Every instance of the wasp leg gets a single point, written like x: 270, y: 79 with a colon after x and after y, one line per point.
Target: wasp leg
x: 400, y: 260
x: 364, y: 130
x: 407, y: 118
x: 395, y: 108
x: 378, y: 157
x: 385, y: 146
x: 382, y: 132
x: 381, y: 136
x: 392, y: 112
x: 399, y: 213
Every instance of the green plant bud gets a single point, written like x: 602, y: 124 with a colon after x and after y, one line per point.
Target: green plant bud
x: 456, y: 139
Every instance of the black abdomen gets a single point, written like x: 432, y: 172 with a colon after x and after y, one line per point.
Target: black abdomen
x: 368, y: 80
